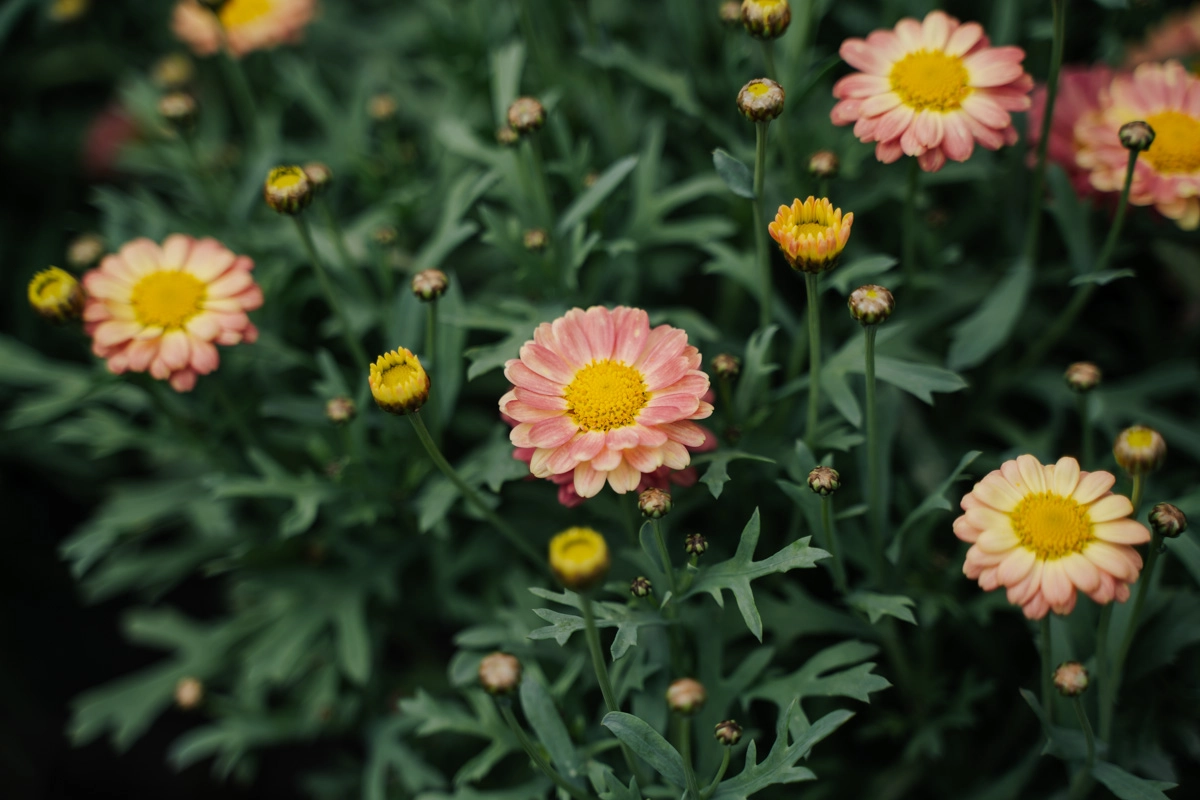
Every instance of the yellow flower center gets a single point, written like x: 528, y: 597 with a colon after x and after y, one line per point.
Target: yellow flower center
x: 930, y: 79
x: 1176, y: 147
x: 168, y: 299
x: 285, y: 177
x: 399, y: 375
x: 579, y: 557
x: 810, y: 229
x: 605, y: 395
x: 240, y: 12
x: 51, y: 286
x: 758, y: 89
x: 1140, y: 438
x: 1051, y: 525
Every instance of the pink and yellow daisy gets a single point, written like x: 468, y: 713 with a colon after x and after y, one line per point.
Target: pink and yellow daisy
x: 931, y: 90
x: 1045, y: 532
x: 248, y: 24
x: 601, y: 395
x: 1080, y: 91
x: 1167, y: 175
x: 163, y: 309
x: 1177, y: 36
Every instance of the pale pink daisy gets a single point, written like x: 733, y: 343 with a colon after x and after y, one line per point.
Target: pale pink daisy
x: 162, y: 309
x: 601, y: 396
x: 1167, y: 176
x: 1080, y: 90
x: 1045, y: 532
x: 931, y: 90
x: 1177, y: 36
x: 249, y: 24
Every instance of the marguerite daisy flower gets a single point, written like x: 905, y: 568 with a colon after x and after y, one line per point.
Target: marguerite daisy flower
x: 248, y: 24
x: 600, y: 395
x: 164, y: 308
x: 1046, y: 531
x: 931, y: 89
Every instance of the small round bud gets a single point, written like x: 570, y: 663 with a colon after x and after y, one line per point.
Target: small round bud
x: 429, y: 284
x: 726, y: 366
x: 766, y: 19
x: 579, y: 558
x: 188, y: 693
x: 1082, y: 376
x: 536, y: 240
x: 1136, y: 135
x: 319, y: 175
x: 85, y: 250
x: 696, y: 544
x: 287, y: 190
x: 1139, y: 450
x: 381, y: 107
x: 526, y: 115
x: 173, y: 71
x: 1168, y: 521
x: 731, y: 12
x: 340, y: 409
x: 686, y: 696
x: 384, y: 235
x: 55, y: 295
x: 68, y: 10
x: 871, y: 304
x: 590, y: 179
x: 1071, y: 679
x: 640, y: 586
x: 179, y: 109
x: 824, y: 164
x: 499, y: 674
x: 728, y: 732
x: 824, y: 480
x: 506, y: 136
x: 654, y: 503
x: 398, y: 382
x: 761, y: 100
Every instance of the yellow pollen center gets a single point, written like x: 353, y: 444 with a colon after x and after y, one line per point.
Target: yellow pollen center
x: 1140, y: 439
x: 285, y: 178
x: 810, y: 229
x: 168, y: 299
x: 239, y: 12
x: 398, y: 375
x: 758, y: 89
x: 606, y: 395
x: 1176, y: 147
x: 579, y: 550
x: 930, y: 79
x: 1051, y: 525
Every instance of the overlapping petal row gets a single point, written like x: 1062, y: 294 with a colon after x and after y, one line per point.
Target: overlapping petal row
x: 163, y: 309
x: 249, y: 24
x: 601, y: 396
x: 931, y: 90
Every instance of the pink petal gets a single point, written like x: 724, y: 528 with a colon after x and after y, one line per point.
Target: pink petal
x: 1082, y: 573
x: 115, y: 331
x: 624, y: 478
x: 230, y: 284
x: 521, y: 376
x: 957, y: 142
x: 183, y: 380
x: 1056, y: 586
x: 963, y: 38
x: 937, y: 28
x: 600, y: 333
x: 588, y: 481
x: 858, y: 84
x: 686, y: 433
x: 1016, y: 566
x: 632, y: 327
x: 175, y: 350
x: 552, y: 432
x: 994, y: 66
x: 204, y: 356
x: 860, y: 55
x: 140, y: 353
x: 586, y: 445
x: 986, y: 111
x: 547, y: 363
x: 209, y: 259
x: 175, y: 249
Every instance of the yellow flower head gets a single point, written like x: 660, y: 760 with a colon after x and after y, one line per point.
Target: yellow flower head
x: 55, y: 294
x: 398, y: 382
x: 811, y: 234
x: 579, y: 558
x: 1139, y: 450
x: 288, y: 190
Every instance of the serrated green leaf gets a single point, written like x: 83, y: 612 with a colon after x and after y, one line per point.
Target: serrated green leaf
x: 627, y: 621
x: 936, y: 501
x: 876, y: 606
x: 717, y: 474
x: 736, y: 175
x: 647, y: 743
x: 618, y: 791
x: 756, y: 371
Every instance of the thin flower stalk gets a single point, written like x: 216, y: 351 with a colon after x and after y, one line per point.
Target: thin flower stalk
x: 1108, y: 690
x: 352, y: 344
x: 601, y: 669
x: 908, y: 241
x: 876, y: 505
x: 812, y: 286
x: 1033, y: 232
x: 835, y: 548
x: 1047, y: 669
x: 1085, y: 428
x: 760, y: 230
x: 685, y: 751
x: 720, y: 776
x: 1082, y: 783
x: 665, y: 557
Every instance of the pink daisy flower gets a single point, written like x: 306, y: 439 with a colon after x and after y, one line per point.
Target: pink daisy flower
x: 1167, y: 176
x: 932, y: 90
x: 1177, y: 36
x: 1080, y: 91
x: 1045, y: 532
x: 601, y: 396
x: 249, y: 24
x: 162, y: 309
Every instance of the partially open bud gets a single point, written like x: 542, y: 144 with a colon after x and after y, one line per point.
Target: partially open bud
x: 640, y: 586
x: 381, y: 107
x: 871, y: 304
x: 526, y: 115
x: 340, y: 409
x: 173, y: 71
x: 398, y: 382
x: 56, y: 295
x: 1139, y: 450
x: 536, y: 240
x: 579, y: 558
x: 1082, y: 376
x: 824, y: 480
x: 696, y: 544
x: 499, y: 674
x: 728, y: 732
x: 654, y: 503
x: 287, y: 190
x: 506, y: 136
x: 731, y: 12
x: 766, y: 19
x: 319, y: 175
x: 1071, y: 679
x: 1168, y: 521
x: 188, y: 693
x: 686, y: 696
x: 726, y: 366
x: 178, y: 109
x: 429, y: 284
x: 824, y: 164
x: 761, y: 100
x: 1136, y: 135
x: 85, y: 250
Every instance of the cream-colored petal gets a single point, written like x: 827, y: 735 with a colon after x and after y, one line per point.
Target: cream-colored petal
x: 1121, y: 531
x: 997, y: 492
x: 997, y: 541
x: 1066, y: 476
x: 1056, y: 586
x: 1083, y: 573
x: 1016, y: 566
x: 1032, y: 474
x: 1113, y: 507
x: 1093, y: 485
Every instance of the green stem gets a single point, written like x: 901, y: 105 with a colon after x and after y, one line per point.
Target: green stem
x: 908, y: 239
x: 601, y: 669
x: 536, y: 756
x: 685, y: 750
x: 760, y: 230
x: 726, y: 393
x: 768, y: 48
x: 1085, y: 426
x: 431, y: 331
x: 1139, y: 487
x: 716, y: 781
x: 1108, y: 706
x: 355, y: 347
x: 874, y: 487
x: 1047, y: 672
x: 1033, y: 232
x: 470, y: 494
x: 665, y: 557
x: 1081, y: 784
x: 812, y: 285
x: 1103, y: 672
x: 537, y: 181
x: 835, y: 548
x: 335, y: 233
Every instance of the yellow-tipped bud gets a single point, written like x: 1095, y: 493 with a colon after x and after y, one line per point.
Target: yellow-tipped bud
x: 726, y: 366
x: 56, y: 295
x: 536, y: 239
x: 871, y: 304
x: 811, y: 234
x: 731, y: 12
x: 506, y: 136
x: 173, y: 71
x: 824, y: 164
x: 761, y: 100
x: 1168, y: 521
x: 398, y: 382
x: 1139, y: 450
x: 766, y: 19
x: 728, y: 732
x: 340, y: 409
x: 654, y: 503
x: 579, y: 558
x: 288, y: 190
x: 640, y: 586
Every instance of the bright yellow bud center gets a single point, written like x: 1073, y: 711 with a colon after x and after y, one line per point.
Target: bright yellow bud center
x: 605, y: 395
x: 240, y: 12
x: 286, y: 177
x: 1051, y: 525
x: 399, y: 375
x: 168, y: 299
x: 930, y: 79
x: 758, y: 89
x: 810, y: 229
x: 1176, y: 147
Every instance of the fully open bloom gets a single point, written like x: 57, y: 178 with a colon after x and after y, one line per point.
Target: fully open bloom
x: 811, y: 234
x: 600, y: 395
x: 249, y: 24
x: 1167, y: 175
x: 931, y: 89
x: 1046, y: 531
x: 1079, y: 95
x: 164, y: 308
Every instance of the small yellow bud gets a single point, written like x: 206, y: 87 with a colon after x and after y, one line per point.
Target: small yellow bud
x: 340, y: 409
x: 56, y: 295
x: 579, y: 558
x: 536, y: 240
x: 398, y: 382
x: 766, y: 19
x: 382, y: 107
x: 319, y: 175
x: 761, y: 100
x: 288, y: 190
x: 1139, y: 450
x: 173, y: 71
x: 85, y: 250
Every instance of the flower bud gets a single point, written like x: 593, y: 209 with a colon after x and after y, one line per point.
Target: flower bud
x: 654, y: 503
x: 287, y: 190
x: 1168, y: 521
x: 1139, y: 450
x: 319, y: 175
x: 824, y: 164
x: 1071, y: 679
x: 1082, y: 376
x: 871, y: 304
x: 726, y: 366
x: 579, y: 558
x: 536, y: 239
x: 68, y: 10
x: 398, y: 382
x: 179, y: 109
x: 761, y: 100
x: 381, y: 107
x: 686, y: 696
x: 696, y: 544
x: 429, y: 284
x: 824, y: 480
x: 526, y: 115
x: 384, y: 235
x: 728, y: 732
x: 188, y: 693
x: 499, y: 674
x: 173, y: 71
x: 731, y: 12
x: 85, y: 250
x: 56, y: 295
x: 589, y: 180
x: 1136, y: 135
x: 506, y: 136
x: 640, y: 586
x: 340, y: 409
x: 766, y: 19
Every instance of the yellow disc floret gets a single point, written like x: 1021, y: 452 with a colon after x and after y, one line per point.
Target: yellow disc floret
x: 930, y: 79
x: 167, y: 299
x: 1176, y: 146
x: 1051, y: 525
x: 239, y: 12
x: 579, y: 558
x: 55, y: 294
x: 398, y: 382
x: 606, y: 395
